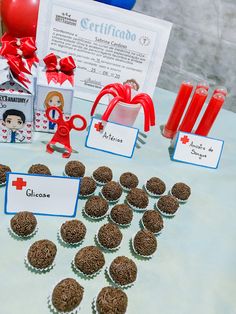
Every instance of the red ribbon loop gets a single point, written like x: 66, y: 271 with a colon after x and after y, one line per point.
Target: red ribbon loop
x: 59, y: 70
x: 18, y: 68
x: 19, y: 47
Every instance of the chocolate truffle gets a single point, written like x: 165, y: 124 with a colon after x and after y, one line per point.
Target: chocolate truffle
x: 123, y: 270
x: 110, y: 236
x: 111, y: 191
x: 111, y: 301
x: 89, y: 260
x: 181, y: 191
x: 103, y: 174
x: 138, y: 198
x: 67, y: 295
x: 3, y: 170
x: 39, y: 169
x: 96, y: 207
x: 121, y: 214
x: 73, y: 231
x: 129, y: 180
x: 155, y: 186
x: 41, y: 254
x: 168, y: 204
x: 145, y: 243
x: 75, y: 168
x: 87, y: 186
x: 23, y: 224
x: 153, y: 221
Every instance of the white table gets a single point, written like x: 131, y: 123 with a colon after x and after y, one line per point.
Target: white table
x: 193, y: 270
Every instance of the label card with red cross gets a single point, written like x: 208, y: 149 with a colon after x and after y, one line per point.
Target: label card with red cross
x: 198, y: 150
x: 41, y: 195
x: 112, y: 138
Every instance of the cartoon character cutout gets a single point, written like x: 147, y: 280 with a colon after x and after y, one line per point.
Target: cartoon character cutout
x: 14, y: 121
x: 56, y: 99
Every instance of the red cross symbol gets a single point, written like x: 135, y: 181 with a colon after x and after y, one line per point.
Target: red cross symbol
x: 184, y: 139
x: 99, y: 126
x: 19, y: 183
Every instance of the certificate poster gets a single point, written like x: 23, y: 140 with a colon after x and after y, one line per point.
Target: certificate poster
x: 108, y: 44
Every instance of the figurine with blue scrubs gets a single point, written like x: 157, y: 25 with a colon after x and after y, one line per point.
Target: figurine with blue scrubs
x: 54, y: 99
x: 14, y: 121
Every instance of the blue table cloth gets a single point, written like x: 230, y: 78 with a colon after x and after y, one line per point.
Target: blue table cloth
x: 193, y: 270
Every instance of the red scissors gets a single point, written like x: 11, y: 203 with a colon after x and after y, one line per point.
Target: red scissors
x: 64, y: 127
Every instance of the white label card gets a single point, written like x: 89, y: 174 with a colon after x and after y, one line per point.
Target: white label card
x: 108, y: 44
x: 41, y: 195
x: 198, y: 150
x: 112, y: 138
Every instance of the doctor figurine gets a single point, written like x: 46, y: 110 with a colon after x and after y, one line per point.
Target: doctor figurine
x: 54, y: 99
x: 14, y: 120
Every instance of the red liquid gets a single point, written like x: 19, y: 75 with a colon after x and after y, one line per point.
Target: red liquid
x: 194, y: 109
x: 212, y: 110
x: 221, y: 90
x: 178, y: 109
x: 203, y: 85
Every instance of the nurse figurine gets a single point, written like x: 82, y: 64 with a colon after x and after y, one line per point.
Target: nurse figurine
x: 54, y: 99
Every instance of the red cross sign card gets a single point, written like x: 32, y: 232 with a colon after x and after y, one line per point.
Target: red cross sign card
x: 41, y: 195
x: 198, y: 150
x: 112, y: 138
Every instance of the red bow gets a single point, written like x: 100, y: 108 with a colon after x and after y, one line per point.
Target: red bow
x: 19, y: 47
x: 59, y: 70
x: 18, y: 69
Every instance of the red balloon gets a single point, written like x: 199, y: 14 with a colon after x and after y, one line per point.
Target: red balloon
x: 20, y: 17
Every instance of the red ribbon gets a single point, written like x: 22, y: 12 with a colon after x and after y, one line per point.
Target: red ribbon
x: 59, y: 70
x: 19, y: 47
x: 18, y: 69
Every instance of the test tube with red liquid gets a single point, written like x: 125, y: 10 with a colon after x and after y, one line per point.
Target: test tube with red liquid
x: 215, y: 104
x: 178, y: 109
x: 193, y: 110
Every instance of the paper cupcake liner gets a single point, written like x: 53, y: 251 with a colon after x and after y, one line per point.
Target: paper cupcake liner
x: 105, y: 248
x: 79, y: 272
x: 98, y: 182
x: 143, y: 226
x: 124, y: 187
x: 87, y: 196
x: 111, y: 202
x: 66, y: 175
x: 67, y: 243
x: 137, y: 209
x: 94, y: 306
x: 163, y: 213
x: 179, y: 200
x: 15, y: 235
x: 143, y: 256
x: 115, y: 283
x: 150, y: 193
x: 55, y: 311
x: 38, y: 270
x: 116, y: 223
x: 92, y: 217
